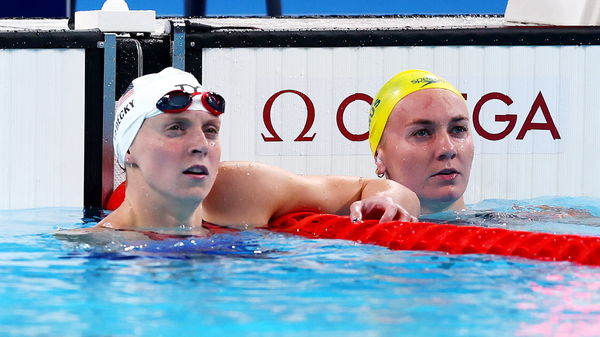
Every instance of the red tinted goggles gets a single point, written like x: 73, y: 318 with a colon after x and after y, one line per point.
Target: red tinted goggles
x: 179, y: 101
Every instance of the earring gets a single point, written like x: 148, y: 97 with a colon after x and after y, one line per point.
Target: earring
x: 379, y: 175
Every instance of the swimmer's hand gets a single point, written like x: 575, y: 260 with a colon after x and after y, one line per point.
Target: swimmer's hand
x: 379, y: 207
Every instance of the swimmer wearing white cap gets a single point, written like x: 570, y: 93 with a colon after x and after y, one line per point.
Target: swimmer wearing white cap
x: 167, y: 139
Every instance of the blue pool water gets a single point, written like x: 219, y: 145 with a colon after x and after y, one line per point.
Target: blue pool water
x: 266, y: 284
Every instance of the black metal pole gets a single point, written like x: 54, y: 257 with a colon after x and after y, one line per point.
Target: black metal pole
x: 274, y: 8
x: 195, y: 8
x: 71, y: 8
x: 70, y: 12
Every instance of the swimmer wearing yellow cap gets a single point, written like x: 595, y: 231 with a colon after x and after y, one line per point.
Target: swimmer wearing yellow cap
x: 419, y: 133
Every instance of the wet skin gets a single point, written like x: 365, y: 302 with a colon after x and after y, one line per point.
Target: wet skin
x: 174, y: 159
x: 427, y: 146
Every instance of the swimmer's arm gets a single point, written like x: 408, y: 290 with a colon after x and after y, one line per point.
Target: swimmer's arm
x: 361, y: 198
x: 97, y: 235
x: 253, y: 193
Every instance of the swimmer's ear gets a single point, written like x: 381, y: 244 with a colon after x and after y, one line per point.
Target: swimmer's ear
x: 128, y: 158
x: 380, y: 166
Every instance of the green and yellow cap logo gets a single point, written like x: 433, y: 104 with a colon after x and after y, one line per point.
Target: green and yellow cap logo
x: 393, y: 91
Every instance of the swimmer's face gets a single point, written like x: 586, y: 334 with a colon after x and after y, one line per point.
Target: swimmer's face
x: 427, y: 146
x: 178, y: 154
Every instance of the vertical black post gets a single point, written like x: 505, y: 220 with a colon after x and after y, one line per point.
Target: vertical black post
x: 273, y: 7
x: 195, y: 8
x: 71, y: 8
x: 94, y: 92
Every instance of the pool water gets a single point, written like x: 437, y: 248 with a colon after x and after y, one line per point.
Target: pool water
x: 266, y: 284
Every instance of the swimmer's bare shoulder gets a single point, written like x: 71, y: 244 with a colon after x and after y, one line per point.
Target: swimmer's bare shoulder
x: 245, y: 192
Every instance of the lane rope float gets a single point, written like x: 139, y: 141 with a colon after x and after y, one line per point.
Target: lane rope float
x: 452, y: 239
x: 426, y: 236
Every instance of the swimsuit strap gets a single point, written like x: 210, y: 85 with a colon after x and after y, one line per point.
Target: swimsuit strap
x: 218, y: 229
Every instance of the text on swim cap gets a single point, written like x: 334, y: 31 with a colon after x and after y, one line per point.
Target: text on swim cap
x: 373, y: 107
x: 122, y: 114
x: 426, y: 80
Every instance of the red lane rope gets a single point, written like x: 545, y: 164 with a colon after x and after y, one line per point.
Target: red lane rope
x: 432, y: 237
x: 116, y: 197
x: 445, y: 238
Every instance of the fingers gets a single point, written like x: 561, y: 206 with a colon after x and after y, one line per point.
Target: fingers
x: 396, y: 213
x: 407, y: 217
x: 391, y: 211
x: 356, y: 211
x: 390, y: 214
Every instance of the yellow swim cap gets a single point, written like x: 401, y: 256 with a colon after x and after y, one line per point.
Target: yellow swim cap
x: 393, y: 91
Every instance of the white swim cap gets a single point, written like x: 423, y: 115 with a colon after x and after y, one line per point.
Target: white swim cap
x: 139, y: 103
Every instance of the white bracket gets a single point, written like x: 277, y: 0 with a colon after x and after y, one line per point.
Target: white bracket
x: 115, y: 17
